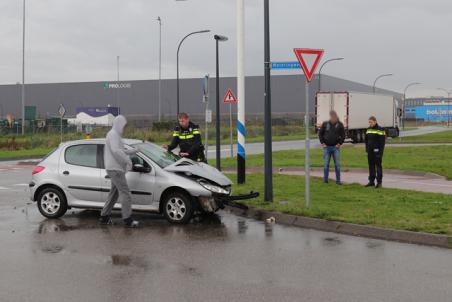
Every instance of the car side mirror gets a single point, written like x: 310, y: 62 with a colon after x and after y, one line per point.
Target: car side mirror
x: 140, y: 168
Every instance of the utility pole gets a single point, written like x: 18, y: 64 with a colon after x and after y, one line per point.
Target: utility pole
x: 160, y: 68
x: 23, y: 68
x: 268, y: 109
x: 241, y: 126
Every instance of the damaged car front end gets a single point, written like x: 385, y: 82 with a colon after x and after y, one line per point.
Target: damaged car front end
x: 216, y: 183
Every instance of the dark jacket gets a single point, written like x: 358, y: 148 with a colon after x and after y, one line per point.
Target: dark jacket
x: 188, y: 140
x: 375, y: 140
x: 332, y: 134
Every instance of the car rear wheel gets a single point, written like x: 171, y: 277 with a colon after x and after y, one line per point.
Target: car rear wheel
x: 177, y: 207
x: 52, y: 203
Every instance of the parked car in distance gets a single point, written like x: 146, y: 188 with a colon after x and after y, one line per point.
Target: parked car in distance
x: 73, y: 176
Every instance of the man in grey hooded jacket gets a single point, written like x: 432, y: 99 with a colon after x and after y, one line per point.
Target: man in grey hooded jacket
x: 117, y: 163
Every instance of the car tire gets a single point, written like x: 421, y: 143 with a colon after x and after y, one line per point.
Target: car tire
x: 177, y: 207
x: 52, y: 203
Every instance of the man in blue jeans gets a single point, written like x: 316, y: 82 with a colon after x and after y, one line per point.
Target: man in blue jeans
x: 332, y: 136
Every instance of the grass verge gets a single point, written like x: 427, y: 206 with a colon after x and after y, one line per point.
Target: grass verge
x: 25, y: 153
x: 434, y: 159
x: 437, y: 137
x: 388, y: 208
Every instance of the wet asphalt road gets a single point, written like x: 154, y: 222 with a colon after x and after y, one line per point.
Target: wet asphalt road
x: 224, y: 258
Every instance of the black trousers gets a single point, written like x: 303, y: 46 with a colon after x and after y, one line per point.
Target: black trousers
x: 375, y: 167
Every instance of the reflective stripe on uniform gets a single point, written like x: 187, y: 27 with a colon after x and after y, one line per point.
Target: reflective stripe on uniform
x: 176, y: 133
x: 377, y: 132
x: 196, y: 131
x: 186, y: 136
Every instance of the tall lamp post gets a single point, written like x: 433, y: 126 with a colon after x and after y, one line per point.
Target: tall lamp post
x: 160, y: 68
x: 23, y: 69
x: 321, y: 67
x: 218, y: 39
x: 379, y: 77
x: 177, y: 63
x: 117, y: 84
x: 268, y: 187
x: 448, y: 92
x: 404, y: 100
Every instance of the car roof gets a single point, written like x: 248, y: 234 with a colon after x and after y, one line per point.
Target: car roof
x: 97, y: 141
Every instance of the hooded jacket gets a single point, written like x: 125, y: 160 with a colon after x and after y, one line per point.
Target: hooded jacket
x: 116, y: 158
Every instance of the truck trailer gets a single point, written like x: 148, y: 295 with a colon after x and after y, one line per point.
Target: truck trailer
x: 354, y: 109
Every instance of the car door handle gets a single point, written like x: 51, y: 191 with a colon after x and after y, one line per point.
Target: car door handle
x: 66, y: 172
x: 107, y: 177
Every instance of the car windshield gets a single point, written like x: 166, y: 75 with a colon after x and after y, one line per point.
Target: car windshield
x: 158, y: 155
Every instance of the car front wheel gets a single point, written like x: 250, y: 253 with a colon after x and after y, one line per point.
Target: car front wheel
x: 177, y: 207
x: 52, y: 203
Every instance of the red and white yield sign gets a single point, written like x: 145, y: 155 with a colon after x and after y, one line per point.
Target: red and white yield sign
x: 302, y: 54
x: 230, y: 97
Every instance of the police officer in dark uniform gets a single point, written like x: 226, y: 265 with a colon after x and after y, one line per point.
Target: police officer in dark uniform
x: 375, y: 144
x: 187, y: 136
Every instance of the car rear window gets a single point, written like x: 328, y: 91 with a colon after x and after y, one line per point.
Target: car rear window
x: 82, y: 155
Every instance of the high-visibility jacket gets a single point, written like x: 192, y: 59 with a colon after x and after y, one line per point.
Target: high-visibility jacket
x: 375, y: 139
x: 188, y: 139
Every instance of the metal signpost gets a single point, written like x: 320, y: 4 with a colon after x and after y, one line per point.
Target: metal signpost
x: 230, y: 98
x: 208, y: 119
x: 61, y: 112
x: 301, y: 54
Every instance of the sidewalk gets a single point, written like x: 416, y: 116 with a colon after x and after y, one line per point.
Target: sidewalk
x: 416, y: 181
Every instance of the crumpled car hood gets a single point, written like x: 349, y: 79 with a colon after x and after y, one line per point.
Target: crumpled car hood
x: 185, y: 165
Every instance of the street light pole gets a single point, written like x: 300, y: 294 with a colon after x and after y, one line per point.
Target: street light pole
x: 379, y: 77
x: 23, y: 68
x: 448, y: 92
x: 218, y: 39
x: 177, y: 63
x: 321, y: 67
x: 268, y: 110
x: 160, y: 69
x: 117, y: 84
x: 404, y: 99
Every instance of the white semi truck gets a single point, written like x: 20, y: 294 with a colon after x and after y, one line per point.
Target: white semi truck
x: 354, y: 109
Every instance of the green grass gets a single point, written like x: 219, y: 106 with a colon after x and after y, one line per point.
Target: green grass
x: 23, y: 154
x: 437, y: 137
x: 389, y: 208
x: 434, y: 159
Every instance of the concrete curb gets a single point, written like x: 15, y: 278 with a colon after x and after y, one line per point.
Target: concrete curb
x: 443, y: 241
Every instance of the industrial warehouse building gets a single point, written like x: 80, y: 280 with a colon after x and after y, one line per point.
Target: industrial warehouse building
x: 140, y: 98
x: 432, y: 109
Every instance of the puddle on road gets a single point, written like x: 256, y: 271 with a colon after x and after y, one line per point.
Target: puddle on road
x: 373, y: 244
x: 331, y: 241
x: 127, y: 260
x: 52, y: 249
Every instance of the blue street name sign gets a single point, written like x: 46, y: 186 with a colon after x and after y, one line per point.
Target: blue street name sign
x: 286, y: 65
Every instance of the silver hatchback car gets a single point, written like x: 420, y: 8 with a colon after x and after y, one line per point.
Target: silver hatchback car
x: 73, y: 176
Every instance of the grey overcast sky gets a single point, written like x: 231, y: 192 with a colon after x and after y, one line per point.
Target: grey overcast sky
x: 78, y: 40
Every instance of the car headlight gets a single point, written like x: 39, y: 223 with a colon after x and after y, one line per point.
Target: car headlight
x: 213, y: 188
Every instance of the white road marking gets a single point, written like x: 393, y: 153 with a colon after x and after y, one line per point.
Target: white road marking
x: 21, y: 185
x: 3, y: 188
